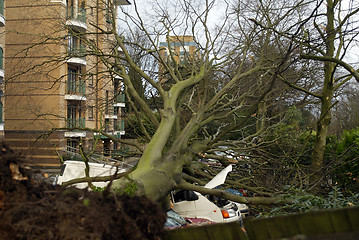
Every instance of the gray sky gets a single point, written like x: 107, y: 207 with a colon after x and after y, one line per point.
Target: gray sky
x: 147, y: 11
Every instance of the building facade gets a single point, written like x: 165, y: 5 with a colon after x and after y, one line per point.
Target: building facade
x: 180, y: 49
x: 59, y: 91
x: 2, y: 68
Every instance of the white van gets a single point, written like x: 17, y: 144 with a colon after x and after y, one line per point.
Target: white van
x: 76, y: 169
x: 190, y: 204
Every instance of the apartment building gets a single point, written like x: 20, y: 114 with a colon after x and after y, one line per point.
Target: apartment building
x: 58, y: 89
x: 180, y: 49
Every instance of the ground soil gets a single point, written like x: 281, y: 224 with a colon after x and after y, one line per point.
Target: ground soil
x: 32, y: 209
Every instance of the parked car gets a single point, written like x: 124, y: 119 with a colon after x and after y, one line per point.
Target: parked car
x: 190, y: 204
x: 242, y: 207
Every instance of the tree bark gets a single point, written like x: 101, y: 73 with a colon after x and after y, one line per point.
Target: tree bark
x: 320, y: 141
x: 326, y: 98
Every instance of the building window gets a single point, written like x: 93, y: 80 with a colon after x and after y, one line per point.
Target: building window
x: 75, y: 84
x: 108, y: 12
x: 75, y: 46
x: 1, y: 58
x: 71, y: 81
x: 2, y: 7
x: 91, y: 84
x: 184, y: 49
x: 74, y: 116
x: 70, y: 2
x: 80, y: 15
x: 90, y: 112
x: 73, y: 143
x: 72, y: 42
x: 107, y: 102
x: 1, y: 117
x: 107, y: 125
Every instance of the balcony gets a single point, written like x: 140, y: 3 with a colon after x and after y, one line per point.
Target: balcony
x: 119, y: 127
x: 76, y: 20
x: 76, y: 90
x: 75, y: 123
x: 2, y: 17
x: 119, y: 100
x: 77, y: 56
x: 110, y: 112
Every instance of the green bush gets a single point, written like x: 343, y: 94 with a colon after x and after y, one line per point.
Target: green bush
x: 346, y: 173
x: 304, y: 201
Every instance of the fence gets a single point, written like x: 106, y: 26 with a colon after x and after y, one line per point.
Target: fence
x: 325, y: 224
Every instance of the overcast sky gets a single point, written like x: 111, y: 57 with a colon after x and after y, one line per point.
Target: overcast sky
x: 146, y: 9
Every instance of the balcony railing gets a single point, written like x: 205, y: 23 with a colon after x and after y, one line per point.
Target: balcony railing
x: 81, y: 14
x: 79, y: 52
x: 110, y: 110
x: 75, y: 122
x: 120, y: 98
x: 120, y: 125
x: 76, y: 88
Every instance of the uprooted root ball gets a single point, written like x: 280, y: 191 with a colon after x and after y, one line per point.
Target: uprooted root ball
x: 40, y: 211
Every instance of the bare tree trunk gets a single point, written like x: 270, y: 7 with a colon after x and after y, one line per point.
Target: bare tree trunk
x: 320, y: 142
x: 326, y: 99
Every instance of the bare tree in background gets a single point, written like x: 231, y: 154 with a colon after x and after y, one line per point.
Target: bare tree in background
x: 325, y: 32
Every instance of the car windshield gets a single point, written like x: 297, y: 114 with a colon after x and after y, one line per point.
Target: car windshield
x: 220, y: 202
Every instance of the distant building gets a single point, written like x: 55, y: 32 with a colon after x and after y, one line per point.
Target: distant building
x: 183, y: 49
x: 76, y: 92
